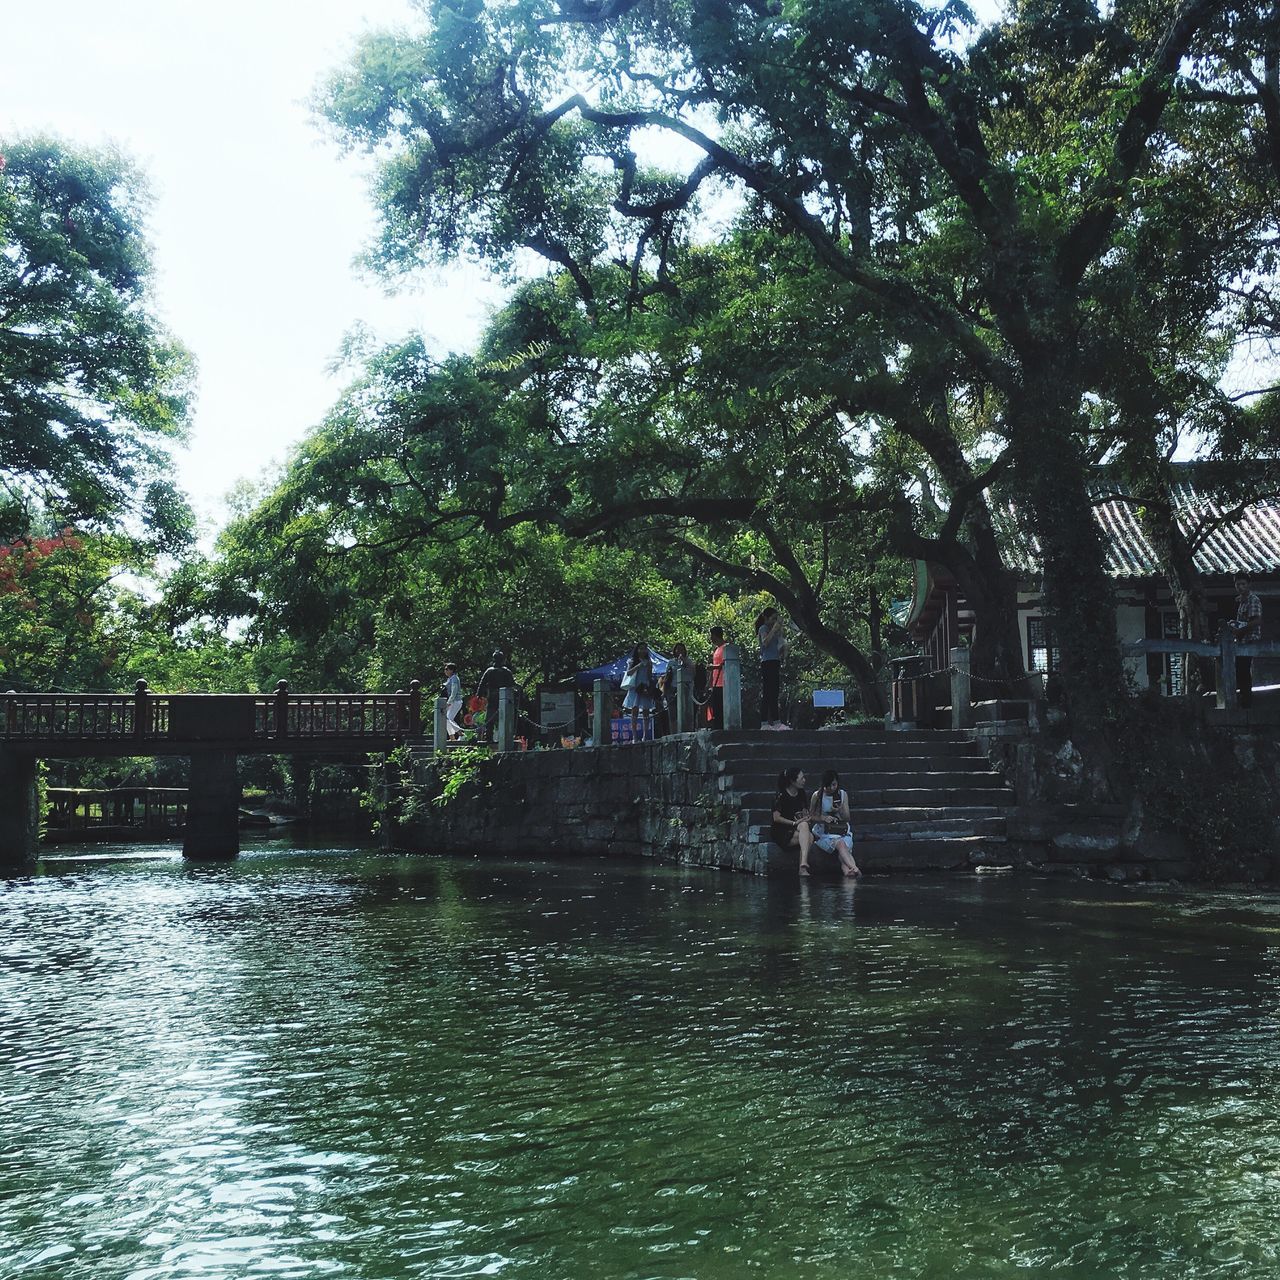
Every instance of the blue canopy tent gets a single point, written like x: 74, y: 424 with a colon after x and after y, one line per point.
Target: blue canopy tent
x: 615, y: 670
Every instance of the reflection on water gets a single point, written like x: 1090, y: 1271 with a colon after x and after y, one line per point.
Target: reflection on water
x: 323, y: 1063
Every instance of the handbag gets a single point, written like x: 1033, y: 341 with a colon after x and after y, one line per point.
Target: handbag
x: 629, y: 680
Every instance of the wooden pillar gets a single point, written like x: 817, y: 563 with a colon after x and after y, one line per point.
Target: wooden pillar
x: 282, y: 708
x: 601, y: 729
x: 732, y: 687
x: 506, y: 720
x: 1228, y: 697
x: 141, y: 710
x: 961, y: 691
x: 684, y: 699
x: 213, y: 807
x: 19, y: 812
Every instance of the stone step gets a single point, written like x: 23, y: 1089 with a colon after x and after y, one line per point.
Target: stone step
x: 880, y: 818
x: 854, y: 765
x: 913, y: 829
x: 829, y: 747
x: 912, y: 798
x: 854, y: 781
x: 958, y: 853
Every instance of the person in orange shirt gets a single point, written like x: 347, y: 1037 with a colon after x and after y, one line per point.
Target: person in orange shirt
x: 715, y: 682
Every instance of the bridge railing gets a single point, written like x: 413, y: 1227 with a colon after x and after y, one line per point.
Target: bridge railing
x: 79, y: 717
x: 144, y: 716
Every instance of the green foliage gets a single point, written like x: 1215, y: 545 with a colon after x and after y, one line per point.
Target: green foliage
x: 92, y: 390
x: 879, y: 249
x: 458, y: 768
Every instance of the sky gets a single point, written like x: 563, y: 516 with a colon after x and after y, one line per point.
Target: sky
x: 257, y: 215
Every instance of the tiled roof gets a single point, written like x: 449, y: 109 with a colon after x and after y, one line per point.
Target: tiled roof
x: 1249, y: 544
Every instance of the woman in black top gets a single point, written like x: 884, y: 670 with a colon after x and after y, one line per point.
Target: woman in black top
x: 791, y: 816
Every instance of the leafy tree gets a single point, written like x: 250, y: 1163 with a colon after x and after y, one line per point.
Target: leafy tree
x: 92, y: 391
x: 977, y: 196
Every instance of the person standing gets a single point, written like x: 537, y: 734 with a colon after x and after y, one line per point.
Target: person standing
x: 715, y: 679
x: 769, y: 634
x: 639, y: 684
x: 1247, y: 629
x: 452, y: 694
x: 497, y: 676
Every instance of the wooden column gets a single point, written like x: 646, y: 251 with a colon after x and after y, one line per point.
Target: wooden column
x: 1228, y: 698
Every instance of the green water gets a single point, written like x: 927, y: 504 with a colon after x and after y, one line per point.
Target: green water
x: 339, y: 1064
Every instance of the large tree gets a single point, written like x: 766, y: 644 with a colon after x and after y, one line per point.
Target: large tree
x: 92, y: 389
x: 973, y: 189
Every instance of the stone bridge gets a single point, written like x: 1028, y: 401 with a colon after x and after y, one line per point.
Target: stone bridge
x: 212, y: 729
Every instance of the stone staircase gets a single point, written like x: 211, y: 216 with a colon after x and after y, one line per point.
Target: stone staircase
x: 921, y: 801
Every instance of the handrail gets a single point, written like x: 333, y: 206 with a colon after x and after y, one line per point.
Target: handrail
x: 1225, y: 652
x: 148, y: 717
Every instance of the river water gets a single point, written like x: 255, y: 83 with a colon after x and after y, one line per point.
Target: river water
x: 335, y: 1063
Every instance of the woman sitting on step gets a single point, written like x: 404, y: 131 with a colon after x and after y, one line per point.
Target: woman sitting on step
x: 832, y: 828
x: 790, y: 828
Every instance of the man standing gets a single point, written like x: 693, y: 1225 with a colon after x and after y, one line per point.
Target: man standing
x: 497, y: 676
x: 1247, y: 629
x: 716, y: 678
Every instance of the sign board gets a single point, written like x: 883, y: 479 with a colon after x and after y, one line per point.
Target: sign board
x: 828, y: 697
x: 557, y: 711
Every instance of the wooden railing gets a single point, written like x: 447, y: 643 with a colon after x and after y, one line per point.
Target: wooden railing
x: 149, y: 808
x: 1225, y: 650
x: 147, y: 717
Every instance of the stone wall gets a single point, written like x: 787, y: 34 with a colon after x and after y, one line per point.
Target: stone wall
x: 653, y: 799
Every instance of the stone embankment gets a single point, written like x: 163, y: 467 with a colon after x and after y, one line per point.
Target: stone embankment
x: 922, y: 802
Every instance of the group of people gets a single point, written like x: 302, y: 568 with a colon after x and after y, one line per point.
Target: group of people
x: 497, y: 676
x: 650, y: 700
x: 821, y: 820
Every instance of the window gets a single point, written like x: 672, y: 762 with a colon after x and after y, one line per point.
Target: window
x: 1174, y: 663
x: 1042, y: 645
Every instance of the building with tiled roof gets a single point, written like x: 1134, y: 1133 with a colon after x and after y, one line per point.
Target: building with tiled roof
x: 1227, y: 535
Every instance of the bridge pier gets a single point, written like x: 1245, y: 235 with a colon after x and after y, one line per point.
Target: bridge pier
x: 213, y: 807
x: 19, y: 812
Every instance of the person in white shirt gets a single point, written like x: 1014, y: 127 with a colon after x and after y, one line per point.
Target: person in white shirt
x: 832, y: 826
x: 452, y: 694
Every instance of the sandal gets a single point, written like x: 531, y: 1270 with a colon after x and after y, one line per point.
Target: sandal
x: 804, y: 868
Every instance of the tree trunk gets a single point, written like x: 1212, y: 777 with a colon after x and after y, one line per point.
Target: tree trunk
x: 846, y: 652
x: 1049, y: 480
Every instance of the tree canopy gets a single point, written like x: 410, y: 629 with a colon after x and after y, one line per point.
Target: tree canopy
x: 947, y: 237
x: 92, y: 390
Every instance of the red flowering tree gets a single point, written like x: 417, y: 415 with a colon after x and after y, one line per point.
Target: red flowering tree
x: 56, y: 597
